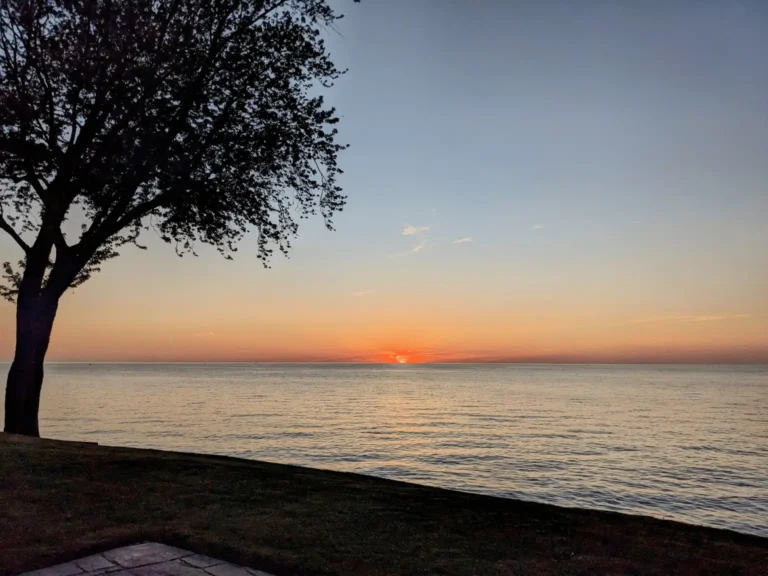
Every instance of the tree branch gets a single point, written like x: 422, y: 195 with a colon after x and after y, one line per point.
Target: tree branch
x: 59, y: 241
x: 34, y: 181
x: 4, y: 225
x: 139, y: 211
x: 269, y: 10
x: 111, y: 225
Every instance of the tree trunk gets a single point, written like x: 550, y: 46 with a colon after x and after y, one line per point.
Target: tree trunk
x: 35, y: 313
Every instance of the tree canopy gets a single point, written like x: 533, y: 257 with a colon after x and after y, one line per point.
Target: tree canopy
x: 201, y: 119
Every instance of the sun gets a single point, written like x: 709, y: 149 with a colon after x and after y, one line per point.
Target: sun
x: 401, y: 359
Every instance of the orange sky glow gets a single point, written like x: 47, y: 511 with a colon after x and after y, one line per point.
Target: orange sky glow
x: 122, y: 316
x: 595, y: 191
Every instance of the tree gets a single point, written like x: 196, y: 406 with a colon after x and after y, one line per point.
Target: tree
x: 201, y: 119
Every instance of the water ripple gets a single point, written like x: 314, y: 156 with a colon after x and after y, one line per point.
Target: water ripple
x: 685, y: 443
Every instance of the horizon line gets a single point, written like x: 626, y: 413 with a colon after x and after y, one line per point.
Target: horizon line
x: 364, y: 362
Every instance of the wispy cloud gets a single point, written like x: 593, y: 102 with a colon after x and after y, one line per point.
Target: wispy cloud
x: 462, y: 240
x: 411, y: 230
x: 420, y: 246
x: 537, y: 227
x: 364, y: 293
x: 689, y: 318
x: 204, y: 334
x: 415, y: 248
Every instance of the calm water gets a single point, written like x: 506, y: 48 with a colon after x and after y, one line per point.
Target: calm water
x: 687, y: 443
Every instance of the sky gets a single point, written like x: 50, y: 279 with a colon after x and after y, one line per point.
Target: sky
x: 527, y: 182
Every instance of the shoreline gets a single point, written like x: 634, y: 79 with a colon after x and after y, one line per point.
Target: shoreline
x: 760, y: 364
x: 68, y: 499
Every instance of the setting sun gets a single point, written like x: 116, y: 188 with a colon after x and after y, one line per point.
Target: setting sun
x: 565, y: 245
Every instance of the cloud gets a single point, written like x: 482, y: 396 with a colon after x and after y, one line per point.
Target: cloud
x: 204, y: 334
x: 364, y: 293
x: 415, y: 248
x: 418, y: 247
x: 688, y: 318
x: 462, y: 240
x: 411, y: 230
x: 538, y: 227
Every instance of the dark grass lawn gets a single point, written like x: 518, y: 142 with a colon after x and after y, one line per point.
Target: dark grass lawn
x: 61, y: 500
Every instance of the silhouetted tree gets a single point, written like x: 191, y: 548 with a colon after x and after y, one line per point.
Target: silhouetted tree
x: 199, y: 118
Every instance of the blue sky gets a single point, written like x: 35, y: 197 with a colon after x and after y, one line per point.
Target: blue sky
x: 607, y: 161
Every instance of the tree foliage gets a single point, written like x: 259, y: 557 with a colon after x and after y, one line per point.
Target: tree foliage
x: 201, y: 119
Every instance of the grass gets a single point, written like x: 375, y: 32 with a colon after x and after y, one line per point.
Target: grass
x: 62, y: 500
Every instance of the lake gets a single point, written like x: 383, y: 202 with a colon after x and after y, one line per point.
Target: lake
x: 687, y: 443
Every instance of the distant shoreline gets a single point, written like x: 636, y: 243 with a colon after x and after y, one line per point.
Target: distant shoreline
x: 411, y: 364
x: 67, y: 499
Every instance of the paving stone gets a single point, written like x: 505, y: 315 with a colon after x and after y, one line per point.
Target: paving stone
x: 143, y: 554
x: 227, y: 569
x: 112, y: 570
x: 95, y: 563
x: 68, y: 569
x: 148, y: 559
x: 172, y: 568
x: 202, y: 561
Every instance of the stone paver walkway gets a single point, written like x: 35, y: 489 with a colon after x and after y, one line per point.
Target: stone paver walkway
x: 147, y: 559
